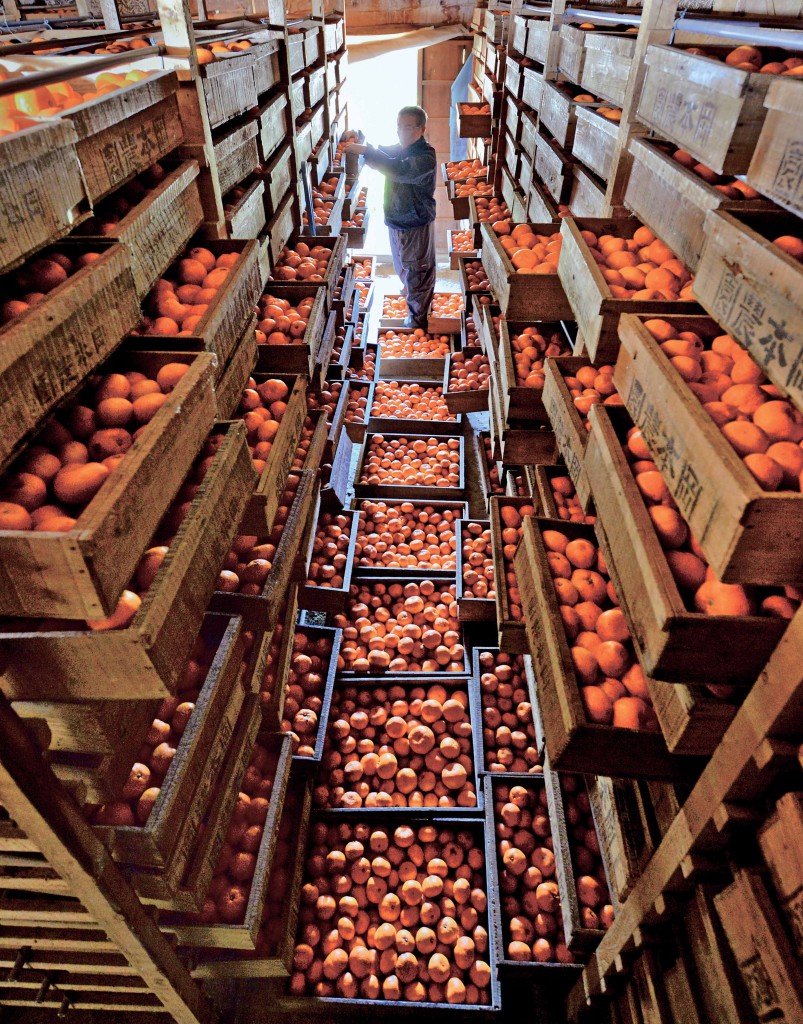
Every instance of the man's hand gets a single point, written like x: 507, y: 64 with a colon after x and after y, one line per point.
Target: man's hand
x: 355, y: 147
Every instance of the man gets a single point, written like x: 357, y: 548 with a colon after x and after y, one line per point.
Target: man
x: 409, y: 169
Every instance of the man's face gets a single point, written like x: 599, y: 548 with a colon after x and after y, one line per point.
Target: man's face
x: 408, y: 130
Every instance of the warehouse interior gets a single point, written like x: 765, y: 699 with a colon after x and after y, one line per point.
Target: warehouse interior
x: 401, y: 511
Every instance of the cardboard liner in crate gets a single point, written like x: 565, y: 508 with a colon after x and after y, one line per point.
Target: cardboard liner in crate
x: 410, y: 681
x: 523, y: 296
x: 554, y: 976
x: 772, y: 167
x: 146, y: 658
x: 721, y: 110
x: 674, y: 644
x: 126, y: 131
x: 737, y: 522
x: 574, y: 742
x: 229, y: 86
x: 157, y: 229
x: 594, y: 308
x: 61, y: 339
x: 44, y: 194
x: 594, y: 142
x: 187, y: 788
x: 673, y: 201
x: 410, y: 492
x: 221, y: 326
x: 741, y: 270
x: 282, y: 902
x: 244, y: 934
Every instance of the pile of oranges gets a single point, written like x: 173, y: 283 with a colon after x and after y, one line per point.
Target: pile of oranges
x: 395, y: 307
x: 357, y: 407
x: 472, y: 338
x: 398, y: 747
x: 415, y: 344
x: 306, y: 683
x: 695, y: 579
x: 58, y: 475
x: 326, y: 398
x: 108, y: 213
x: 491, y: 466
x: 475, y: 108
x: 416, y: 461
x: 750, y: 58
x: 393, y: 915
x: 36, y: 278
x: 763, y: 428
x: 214, y: 51
x: 227, y: 898
x: 612, y: 685
x: 530, y: 348
x: 337, y: 348
x: 588, y: 868
x: 565, y: 497
x: 463, y: 241
x: 508, y: 733
x: 639, y: 267
x: 478, y: 563
x: 406, y: 536
x: 322, y: 202
x: 448, y: 304
x: 356, y: 220
x: 473, y: 187
x: 493, y: 210
x: 280, y: 322
x: 329, y: 551
x: 472, y: 373
x: 363, y: 268
x: 460, y: 170
x: 529, y: 253
x: 262, y: 407
x: 477, y: 278
x: 732, y: 188
x: 361, y: 290
x: 532, y: 919
x: 409, y: 401
x: 592, y: 385
x: 302, y: 263
x: 269, y: 681
x: 401, y: 627
x: 179, y: 301
x: 368, y: 369
x: 511, y: 518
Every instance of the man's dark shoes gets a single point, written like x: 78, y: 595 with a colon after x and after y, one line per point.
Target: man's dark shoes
x: 411, y: 325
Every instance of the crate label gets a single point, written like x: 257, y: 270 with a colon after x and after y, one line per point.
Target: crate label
x: 760, y: 987
x: 674, y: 110
x: 683, y: 481
x: 788, y: 181
x: 139, y: 148
x: 759, y: 327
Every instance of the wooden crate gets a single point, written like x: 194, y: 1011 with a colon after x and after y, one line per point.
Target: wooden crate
x: 519, y: 402
x: 571, y: 435
x: 552, y: 167
x: 678, y: 217
x: 574, y: 743
x: 471, y: 609
x: 594, y: 141
x: 246, y: 218
x: 157, y: 229
x: 299, y: 356
x: 267, y: 72
x: 145, y: 659
x: 572, y: 51
x: 620, y: 818
x: 722, y: 991
x: 463, y: 401
x: 278, y: 177
x: 528, y: 130
x: 282, y: 906
x: 523, y: 296
x: 329, y: 599
x: 558, y: 111
x: 692, y: 720
x: 781, y: 841
x: 81, y: 573
x: 513, y: 81
x: 540, y: 207
x: 334, y: 33
x: 62, y: 338
x: 705, y: 106
x: 766, y: 959
x: 606, y: 65
x: 314, y: 86
x: 735, y: 520
x: 674, y: 644
x: 512, y: 634
x: 402, y: 425
x: 469, y: 125
x: 538, y: 34
x: 319, y: 161
x: 272, y: 121
x: 244, y: 935
x: 229, y: 86
x: 221, y: 326
x: 337, y: 247
x: 596, y: 311
x: 232, y: 382
x: 531, y: 89
x: 281, y: 225
x: 407, y: 492
x: 773, y: 168
x: 518, y: 442
x: 237, y: 154
x: 187, y: 787
x: 43, y: 189
x: 126, y: 131
x: 752, y: 290
x: 587, y: 195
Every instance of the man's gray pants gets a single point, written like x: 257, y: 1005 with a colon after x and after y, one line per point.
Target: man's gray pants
x: 413, y: 251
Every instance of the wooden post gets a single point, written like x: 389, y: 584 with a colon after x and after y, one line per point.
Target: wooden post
x: 111, y: 16
x: 553, y: 46
x: 42, y: 808
x: 657, y: 22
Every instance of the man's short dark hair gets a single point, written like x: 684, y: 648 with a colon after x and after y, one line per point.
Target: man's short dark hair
x: 418, y: 113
